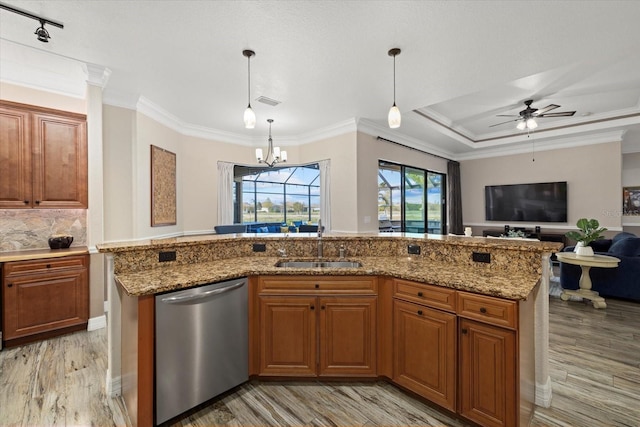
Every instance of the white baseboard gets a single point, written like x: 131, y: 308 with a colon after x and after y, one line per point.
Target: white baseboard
x: 96, y: 323
x: 113, y: 386
x: 543, y: 393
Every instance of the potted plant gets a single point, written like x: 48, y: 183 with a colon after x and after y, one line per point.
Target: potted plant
x: 589, y: 230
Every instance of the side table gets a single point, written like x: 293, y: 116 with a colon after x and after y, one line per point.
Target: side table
x: 585, y: 263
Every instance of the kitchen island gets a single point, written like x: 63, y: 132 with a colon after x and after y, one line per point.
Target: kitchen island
x: 487, y: 282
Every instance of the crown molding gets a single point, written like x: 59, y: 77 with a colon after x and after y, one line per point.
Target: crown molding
x: 97, y: 75
x: 545, y: 145
x: 340, y: 128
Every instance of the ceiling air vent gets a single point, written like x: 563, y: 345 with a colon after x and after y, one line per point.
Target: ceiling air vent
x: 268, y: 101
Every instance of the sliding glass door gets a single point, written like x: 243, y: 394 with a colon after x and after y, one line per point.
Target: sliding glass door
x: 411, y: 199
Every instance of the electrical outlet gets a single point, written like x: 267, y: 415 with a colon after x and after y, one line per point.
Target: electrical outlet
x: 481, y: 257
x: 413, y: 249
x: 167, y: 256
x: 259, y: 247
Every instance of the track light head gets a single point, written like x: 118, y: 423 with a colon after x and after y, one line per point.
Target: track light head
x: 42, y: 33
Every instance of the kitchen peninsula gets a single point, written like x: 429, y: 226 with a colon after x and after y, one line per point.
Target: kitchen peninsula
x: 481, y: 303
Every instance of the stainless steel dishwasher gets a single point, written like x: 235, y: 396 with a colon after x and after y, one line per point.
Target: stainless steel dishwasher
x: 202, y: 343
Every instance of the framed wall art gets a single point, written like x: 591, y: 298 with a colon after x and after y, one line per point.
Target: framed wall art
x: 163, y: 187
x: 631, y: 201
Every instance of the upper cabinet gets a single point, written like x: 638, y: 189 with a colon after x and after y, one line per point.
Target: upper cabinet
x: 43, y: 158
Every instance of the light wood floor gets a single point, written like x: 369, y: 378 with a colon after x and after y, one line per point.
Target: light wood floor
x: 594, y: 357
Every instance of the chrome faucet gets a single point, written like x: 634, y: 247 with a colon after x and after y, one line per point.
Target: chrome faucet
x: 342, y: 251
x: 319, y: 239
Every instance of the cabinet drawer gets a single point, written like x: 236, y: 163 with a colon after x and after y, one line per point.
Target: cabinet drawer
x: 45, y: 265
x: 488, y: 309
x: 334, y: 285
x: 430, y: 295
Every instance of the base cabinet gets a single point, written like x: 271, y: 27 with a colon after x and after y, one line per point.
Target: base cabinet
x: 288, y: 335
x: 488, y: 375
x: 425, y: 356
x: 44, y: 297
x: 317, y: 333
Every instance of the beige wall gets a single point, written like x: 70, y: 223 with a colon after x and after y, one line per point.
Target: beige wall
x: 30, y: 96
x: 119, y: 126
x: 370, y: 151
x: 199, y: 176
x: 631, y: 178
x: 593, y: 175
x: 341, y: 151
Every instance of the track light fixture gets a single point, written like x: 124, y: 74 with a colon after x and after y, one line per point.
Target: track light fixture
x: 43, y: 35
x: 273, y: 153
x: 41, y: 32
x: 394, y: 113
x: 249, y: 115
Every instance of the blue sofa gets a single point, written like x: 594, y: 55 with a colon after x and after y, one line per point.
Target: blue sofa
x: 621, y: 282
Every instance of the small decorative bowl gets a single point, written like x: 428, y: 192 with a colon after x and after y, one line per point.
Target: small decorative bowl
x: 60, y: 242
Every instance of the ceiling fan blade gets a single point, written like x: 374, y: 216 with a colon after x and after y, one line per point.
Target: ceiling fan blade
x: 503, y: 123
x: 507, y: 115
x: 562, y: 114
x: 545, y: 109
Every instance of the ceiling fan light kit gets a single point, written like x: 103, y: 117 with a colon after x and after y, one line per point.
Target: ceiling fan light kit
x: 527, y: 118
x: 249, y: 115
x: 394, y: 118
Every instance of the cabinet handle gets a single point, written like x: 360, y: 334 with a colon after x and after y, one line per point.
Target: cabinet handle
x: 419, y: 294
x: 48, y: 265
x: 26, y: 202
x: 317, y: 286
x: 483, y: 310
x: 420, y: 312
x: 322, y: 307
x: 464, y: 331
x: 37, y: 202
x: 9, y: 285
x: 312, y: 307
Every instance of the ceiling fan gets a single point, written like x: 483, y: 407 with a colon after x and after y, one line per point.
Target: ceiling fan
x: 527, y: 116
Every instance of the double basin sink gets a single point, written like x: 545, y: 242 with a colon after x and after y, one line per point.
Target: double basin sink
x: 320, y: 264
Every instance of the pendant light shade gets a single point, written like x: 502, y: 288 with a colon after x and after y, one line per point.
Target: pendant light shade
x: 249, y: 118
x: 249, y: 115
x: 394, y: 117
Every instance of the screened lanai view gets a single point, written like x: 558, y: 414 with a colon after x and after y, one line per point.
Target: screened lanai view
x: 410, y: 199
x: 288, y: 195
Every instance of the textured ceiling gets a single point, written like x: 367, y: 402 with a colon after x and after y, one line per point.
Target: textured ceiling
x: 462, y: 63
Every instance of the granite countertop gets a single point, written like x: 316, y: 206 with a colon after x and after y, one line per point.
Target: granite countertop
x: 475, y: 241
x: 34, y: 254
x: 467, y: 278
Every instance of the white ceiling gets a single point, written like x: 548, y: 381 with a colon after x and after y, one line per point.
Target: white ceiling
x: 462, y: 63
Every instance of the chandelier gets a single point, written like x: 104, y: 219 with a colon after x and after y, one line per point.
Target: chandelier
x: 274, y: 155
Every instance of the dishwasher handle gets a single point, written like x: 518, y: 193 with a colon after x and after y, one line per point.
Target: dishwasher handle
x: 207, y: 294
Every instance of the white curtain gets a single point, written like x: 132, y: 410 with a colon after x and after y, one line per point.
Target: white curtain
x: 225, y: 193
x: 325, y: 193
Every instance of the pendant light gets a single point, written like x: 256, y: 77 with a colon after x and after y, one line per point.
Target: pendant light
x: 273, y: 153
x: 394, y: 113
x: 249, y: 115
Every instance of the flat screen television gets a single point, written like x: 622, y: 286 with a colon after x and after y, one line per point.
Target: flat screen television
x: 540, y: 202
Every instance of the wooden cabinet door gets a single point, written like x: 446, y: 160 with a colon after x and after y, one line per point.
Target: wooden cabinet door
x: 288, y: 336
x: 425, y: 357
x: 488, y: 376
x: 15, y: 158
x: 59, y: 161
x: 348, y: 336
x: 36, y: 303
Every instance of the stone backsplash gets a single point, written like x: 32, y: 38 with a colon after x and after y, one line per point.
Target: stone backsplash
x: 24, y: 229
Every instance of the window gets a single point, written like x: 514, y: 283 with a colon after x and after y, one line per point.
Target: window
x: 410, y: 199
x: 281, y: 195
